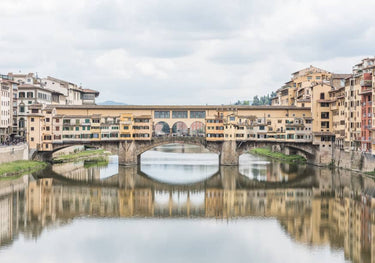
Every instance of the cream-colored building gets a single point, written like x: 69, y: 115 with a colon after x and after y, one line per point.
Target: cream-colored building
x: 32, y: 90
x: 6, y: 113
x: 297, y: 91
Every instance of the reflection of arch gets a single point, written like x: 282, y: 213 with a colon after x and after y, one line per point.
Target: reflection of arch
x: 180, y: 128
x: 197, y: 128
x: 162, y: 128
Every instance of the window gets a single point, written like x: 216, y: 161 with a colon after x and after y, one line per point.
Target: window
x: 32, y: 119
x: 324, y: 115
x: 325, y: 124
x: 162, y: 114
x: 179, y: 114
x: 32, y: 139
x: 22, y: 94
x: 22, y: 108
x: 322, y: 96
x: 198, y: 114
x: 32, y: 128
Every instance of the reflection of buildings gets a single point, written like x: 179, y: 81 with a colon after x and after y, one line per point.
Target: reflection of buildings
x: 332, y: 209
x: 12, y: 208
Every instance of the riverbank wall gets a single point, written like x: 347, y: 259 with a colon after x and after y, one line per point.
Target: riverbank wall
x: 351, y: 160
x: 14, y: 153
x: 358, y: 161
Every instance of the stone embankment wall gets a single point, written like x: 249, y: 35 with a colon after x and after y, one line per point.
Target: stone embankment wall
x: 358, y: 161
x: 352, y: 160
x: 14, y: 153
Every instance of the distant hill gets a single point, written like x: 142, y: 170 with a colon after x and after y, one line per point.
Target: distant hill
x: 110, y: 102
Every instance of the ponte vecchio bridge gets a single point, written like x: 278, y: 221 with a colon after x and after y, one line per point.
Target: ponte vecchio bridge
x: 131, y: 130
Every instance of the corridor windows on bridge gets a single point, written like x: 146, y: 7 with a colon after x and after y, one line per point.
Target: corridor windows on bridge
x: 197, y: 114
x: 179, y: 114
x: 162, y: 114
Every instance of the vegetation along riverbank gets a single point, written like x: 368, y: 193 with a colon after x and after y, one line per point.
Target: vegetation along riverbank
x: 14, y: 169
x: 88, y: 155
x: 279, y: 156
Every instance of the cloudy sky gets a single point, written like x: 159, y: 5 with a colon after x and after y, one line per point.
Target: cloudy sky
x: 185, y: 51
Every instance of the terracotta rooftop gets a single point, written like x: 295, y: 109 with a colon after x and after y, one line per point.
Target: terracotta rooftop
x: 341, y: 76
x: 90, y: 91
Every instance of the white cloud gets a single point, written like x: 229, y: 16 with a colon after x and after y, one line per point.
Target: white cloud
x: 186, y: 51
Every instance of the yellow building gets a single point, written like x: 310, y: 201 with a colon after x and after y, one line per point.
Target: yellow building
x: 337, y: 108
x: 321, y: 114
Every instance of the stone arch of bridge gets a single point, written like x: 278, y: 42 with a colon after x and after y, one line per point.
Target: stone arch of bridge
x: 308, y: 151
x: 295, y: 150
x: 144, y: 147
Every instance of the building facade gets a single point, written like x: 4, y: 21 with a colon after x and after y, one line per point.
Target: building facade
x: 27, y: 90
x: 59, y: 124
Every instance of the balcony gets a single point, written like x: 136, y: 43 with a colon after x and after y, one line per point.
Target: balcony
x: 366, y: 139
x: 366, y: 91
x: 366, y: 83
x: 126, y: 122
x: 369, y: 103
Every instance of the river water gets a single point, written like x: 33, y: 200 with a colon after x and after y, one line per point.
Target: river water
x: 180, y: 206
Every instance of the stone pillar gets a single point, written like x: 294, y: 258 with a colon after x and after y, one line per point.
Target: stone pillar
x: 286, y: 150
x: 127, y: 153
x: 228, y: 154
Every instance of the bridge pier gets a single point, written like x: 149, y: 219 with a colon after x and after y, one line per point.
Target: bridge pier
x: 229, y: 154
x: 127, y: 153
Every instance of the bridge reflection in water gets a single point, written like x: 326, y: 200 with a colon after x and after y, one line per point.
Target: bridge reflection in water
x: 316, y: 206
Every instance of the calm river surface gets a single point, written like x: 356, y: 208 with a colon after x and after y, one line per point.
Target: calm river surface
x: 180, y: 206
